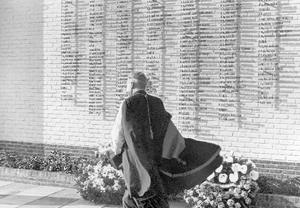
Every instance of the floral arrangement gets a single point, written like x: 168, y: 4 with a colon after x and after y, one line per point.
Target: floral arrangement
x: 232, y: 185
x: 101, y: 183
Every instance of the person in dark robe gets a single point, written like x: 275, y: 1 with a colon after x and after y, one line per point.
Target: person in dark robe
x: 156, y: 159
x: 138, y: 134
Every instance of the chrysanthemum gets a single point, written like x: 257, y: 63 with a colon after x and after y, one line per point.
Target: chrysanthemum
x: 223, y: 178
x: 254, y: 175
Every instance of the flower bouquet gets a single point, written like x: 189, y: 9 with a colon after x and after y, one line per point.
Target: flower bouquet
x: 101, y: 183
x: 232, y: 185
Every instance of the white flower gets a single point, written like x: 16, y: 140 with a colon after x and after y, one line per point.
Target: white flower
x: 219, y: 169
x: 219, y: 198
x: 223, y: 178
x: 207, y: 200
x: 111, y: 176
x: 234, y: 177
x: 229, y: 159
x: 254, y: 175
x: 213, y: 203
x: 230, y: 202
x: 237, y: 205
x: 211, y: 176
x: 248, y: 200
x: 246, y: 186
x: 195, y: 199
x: 116, y: 186
x: 236, y: 167
x: 244, y: 194
x: 189, y: 200
x: 244, y: 169
x: 237, y: 196
x: 221, y: 205
x: 199, y: 202
x: 237, y: 155
x: 237, y: 190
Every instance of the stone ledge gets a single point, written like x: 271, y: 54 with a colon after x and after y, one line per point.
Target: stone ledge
x: 37, y: 177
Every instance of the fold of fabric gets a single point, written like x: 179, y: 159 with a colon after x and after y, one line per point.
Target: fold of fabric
x: 174, y: 142
x: 136, y: 165
x: 201, y: 158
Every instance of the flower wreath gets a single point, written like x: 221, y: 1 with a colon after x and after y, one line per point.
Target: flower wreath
x: 232, y: 185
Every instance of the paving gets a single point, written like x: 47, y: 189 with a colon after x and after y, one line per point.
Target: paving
x: 19, y: 195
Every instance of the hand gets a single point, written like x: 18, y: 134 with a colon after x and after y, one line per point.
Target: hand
x: 110, y: 153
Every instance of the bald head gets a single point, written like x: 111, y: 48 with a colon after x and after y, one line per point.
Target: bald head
x: 138, y: 79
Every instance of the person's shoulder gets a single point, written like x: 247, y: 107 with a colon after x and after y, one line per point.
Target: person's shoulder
x: 133, y: 99
x: 154, y: 99
x: 122, y: 104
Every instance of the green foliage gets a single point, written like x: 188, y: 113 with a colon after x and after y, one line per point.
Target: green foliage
x: 56, y: 161
x: 272, y: 185
x: 12, y: 160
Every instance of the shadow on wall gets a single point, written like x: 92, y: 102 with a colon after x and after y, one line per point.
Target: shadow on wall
x: 21, y: 70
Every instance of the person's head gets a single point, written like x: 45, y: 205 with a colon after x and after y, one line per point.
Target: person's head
x: 136, y: 81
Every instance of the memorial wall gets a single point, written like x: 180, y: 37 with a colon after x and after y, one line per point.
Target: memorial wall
x: 214, y: 63
x: 227, y: 70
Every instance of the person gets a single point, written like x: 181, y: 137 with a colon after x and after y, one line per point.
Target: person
x: 156, y: 159
x: 138, y: 134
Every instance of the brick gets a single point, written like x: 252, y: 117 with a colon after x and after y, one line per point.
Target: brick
x: 279, y: 157
x: 263, y: 156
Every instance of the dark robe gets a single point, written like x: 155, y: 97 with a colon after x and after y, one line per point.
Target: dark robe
x: 157, y: 160
x: 143, y: 151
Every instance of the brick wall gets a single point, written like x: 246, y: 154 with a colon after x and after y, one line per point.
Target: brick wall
x: 228, y: 71
x: 21, y: 71
x: 65, y: 123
